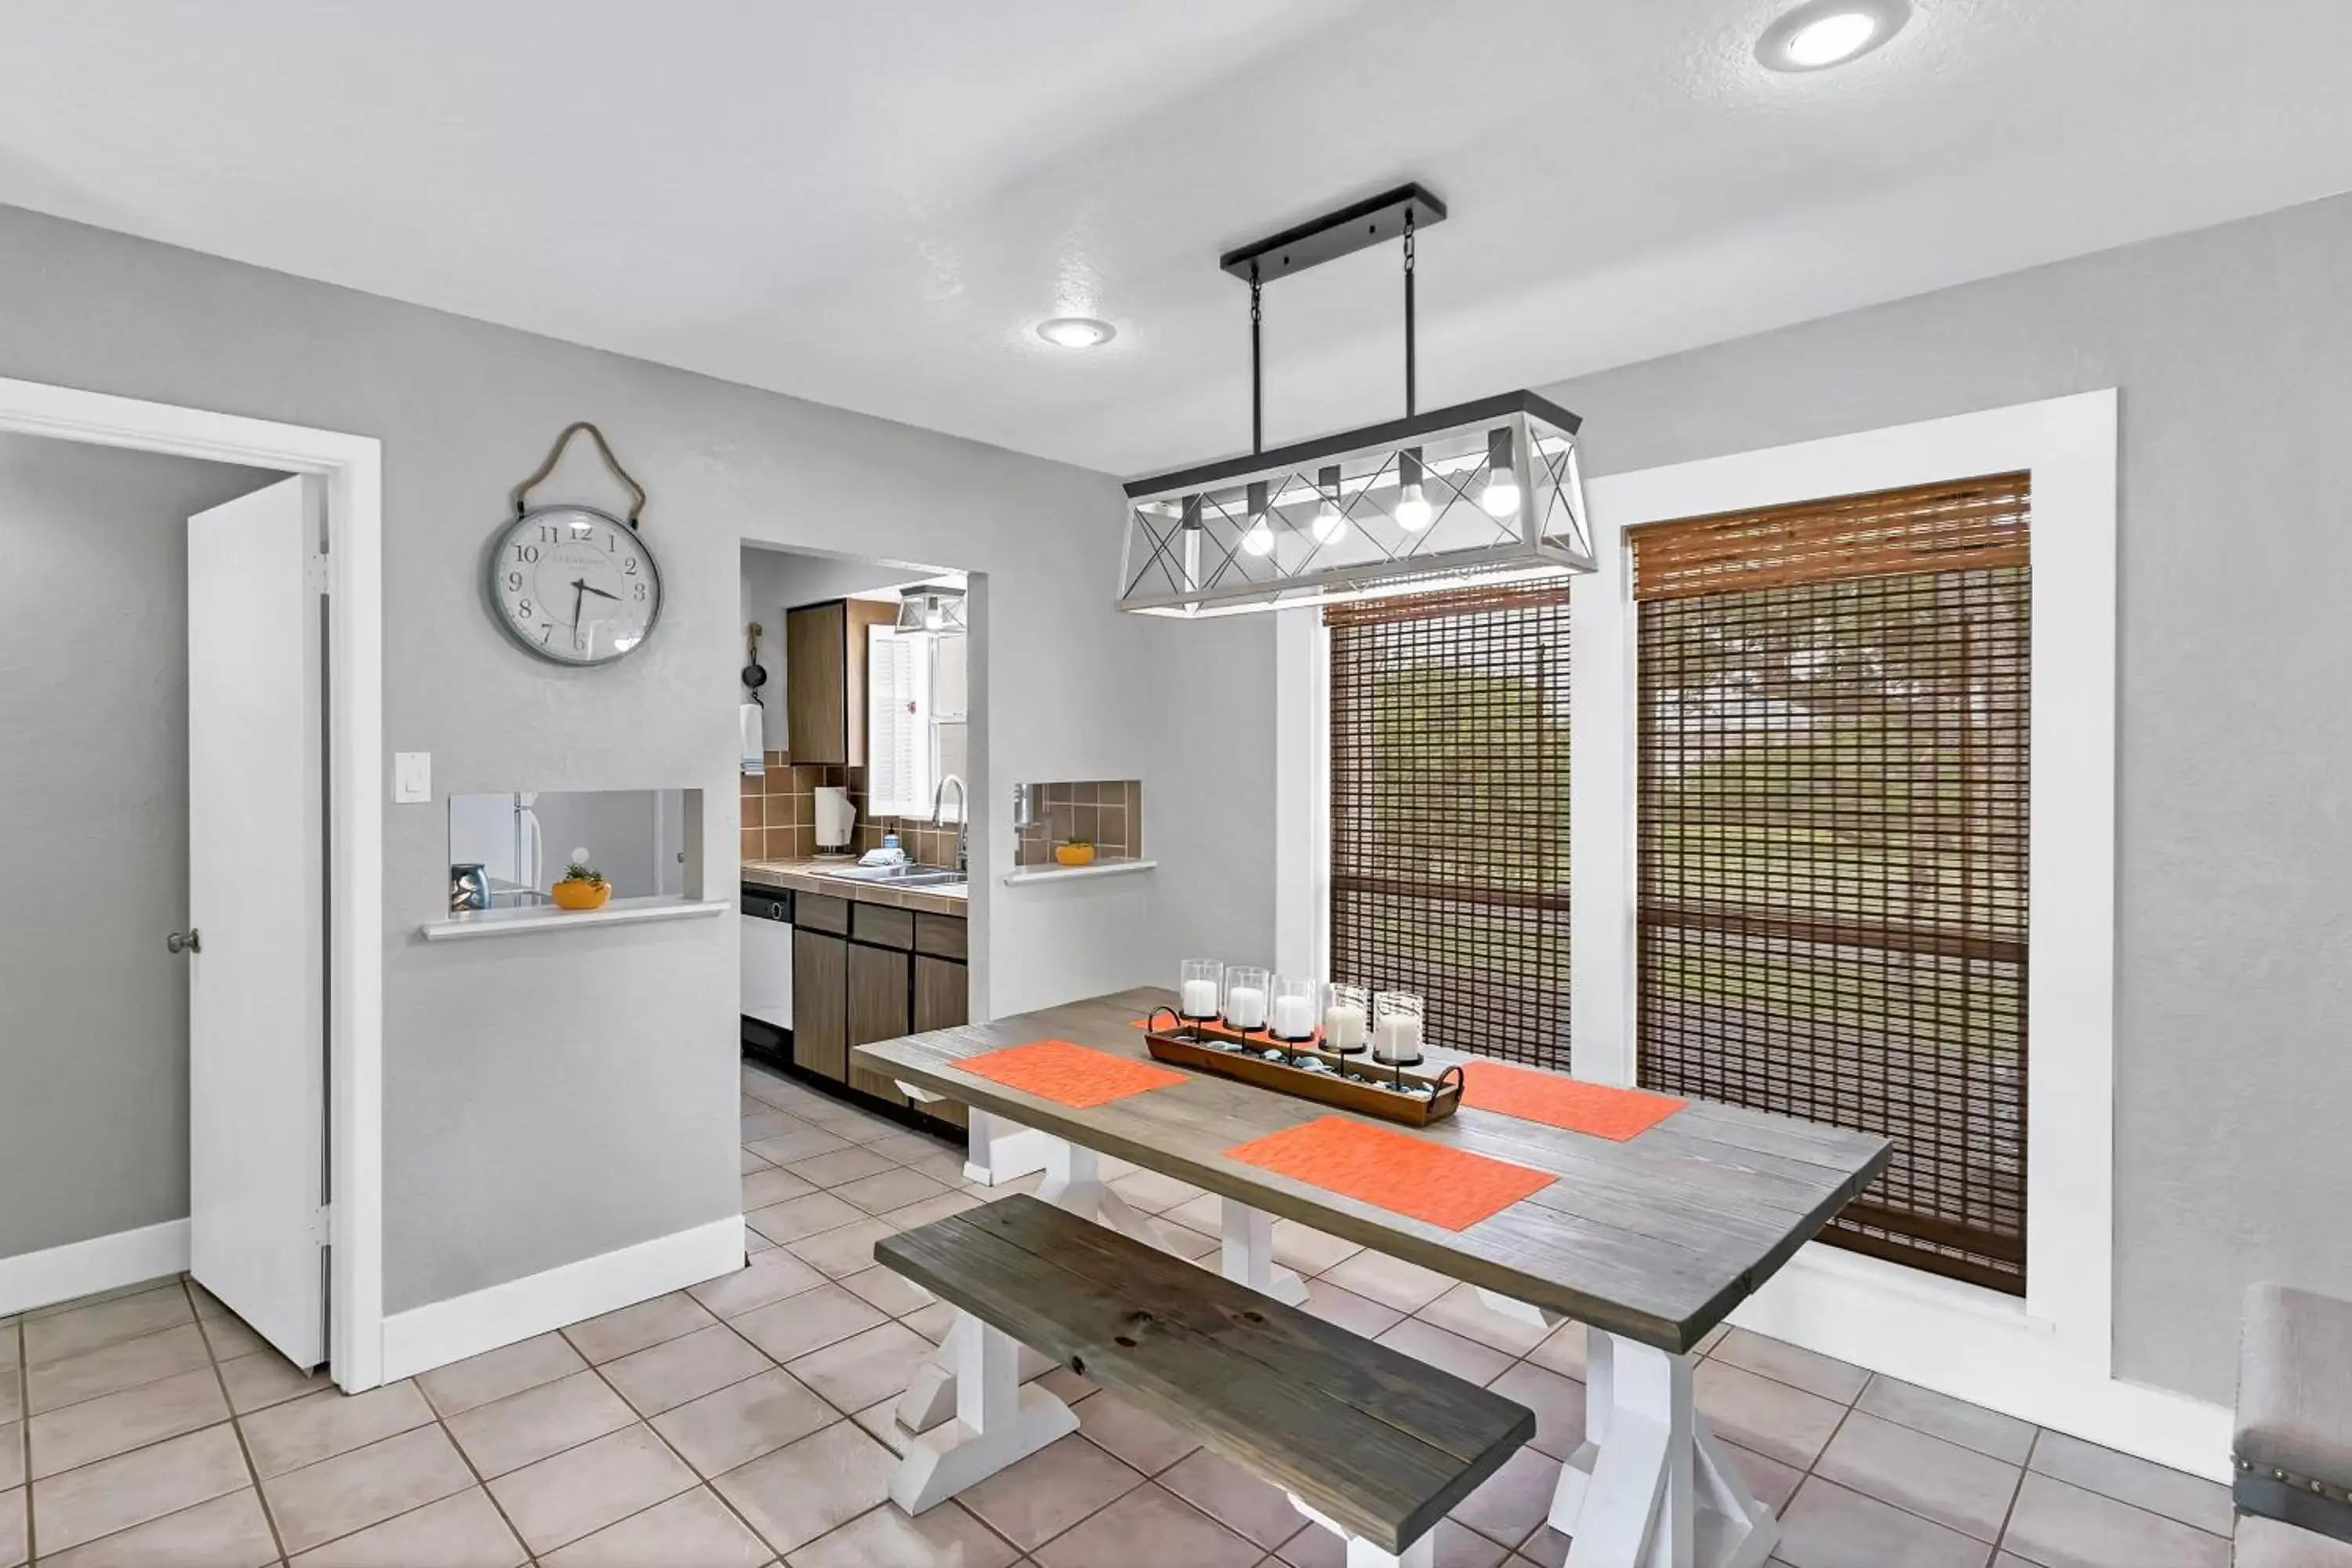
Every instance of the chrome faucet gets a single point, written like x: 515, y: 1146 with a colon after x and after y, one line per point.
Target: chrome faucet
x: 963, y: 818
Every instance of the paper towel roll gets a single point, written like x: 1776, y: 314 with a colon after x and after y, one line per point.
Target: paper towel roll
x: 835, y: 819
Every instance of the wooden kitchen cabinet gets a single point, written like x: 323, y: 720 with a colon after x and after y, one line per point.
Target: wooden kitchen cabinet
x: 825, y: 679
x: 821, y: 1002
x: 942, y: 1000
x: 880, y: 994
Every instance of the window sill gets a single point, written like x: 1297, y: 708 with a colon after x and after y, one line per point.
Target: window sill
x: 1072, y: 873
x: 619, y: 912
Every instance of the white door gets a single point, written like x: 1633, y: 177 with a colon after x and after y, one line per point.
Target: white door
x: 256, y: 846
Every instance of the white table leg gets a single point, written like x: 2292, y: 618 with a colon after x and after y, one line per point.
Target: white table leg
x: 1362, y: 1553
x: 1248, y: 1254
x: 1525, y: 1313
x: 999, y: 1150
x: 1651, y: 1488
x: 998, y: 1420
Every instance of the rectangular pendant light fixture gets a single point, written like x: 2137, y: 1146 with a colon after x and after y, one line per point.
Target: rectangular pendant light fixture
x: 1486, y: 491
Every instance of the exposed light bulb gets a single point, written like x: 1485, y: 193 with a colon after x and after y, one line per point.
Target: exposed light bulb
x: 1329, y: 524
x: 1832, y: 40
x: 1259, y: 540
x: 1412, y: 512
x: 1501, y: 496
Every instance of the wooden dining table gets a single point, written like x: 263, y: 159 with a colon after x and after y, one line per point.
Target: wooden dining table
x: 1650, y: 1243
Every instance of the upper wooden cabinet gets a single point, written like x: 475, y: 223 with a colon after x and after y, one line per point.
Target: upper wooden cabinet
x: 825, y: 679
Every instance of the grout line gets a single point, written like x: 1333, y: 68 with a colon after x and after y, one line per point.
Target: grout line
x: 236, y: 1428
x: 473, y: 1469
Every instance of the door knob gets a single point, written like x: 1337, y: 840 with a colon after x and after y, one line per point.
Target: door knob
x: 191, y: 940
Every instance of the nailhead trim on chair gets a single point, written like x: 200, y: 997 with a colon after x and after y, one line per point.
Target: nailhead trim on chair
x: 2300, y: 1501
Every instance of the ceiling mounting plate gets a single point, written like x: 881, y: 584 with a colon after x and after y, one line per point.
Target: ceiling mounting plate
x: 1373, y: 221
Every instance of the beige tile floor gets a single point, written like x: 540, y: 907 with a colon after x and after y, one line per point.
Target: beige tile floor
x: 741, y: 1423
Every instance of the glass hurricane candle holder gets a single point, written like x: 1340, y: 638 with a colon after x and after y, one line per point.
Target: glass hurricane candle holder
x: 1347, y: 1018
x: 1200, y: 989
x: 1290, y: 1008
x: 1245, y: 991
x: 1396, y: 1027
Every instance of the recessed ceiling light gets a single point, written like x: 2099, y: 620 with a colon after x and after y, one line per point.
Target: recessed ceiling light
x: 1824, y: 33
x: 1076, y: 331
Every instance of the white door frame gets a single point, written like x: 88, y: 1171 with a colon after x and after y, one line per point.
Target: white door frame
x: 353, y: 467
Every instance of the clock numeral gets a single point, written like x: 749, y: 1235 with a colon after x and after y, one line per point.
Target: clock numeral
x: 545, y: 631
x: 629, y: 567
x: 514, y: 581
x: 523, y: 610
x: 527, y: 553
x: 640, y: 595
x: 549, y: 533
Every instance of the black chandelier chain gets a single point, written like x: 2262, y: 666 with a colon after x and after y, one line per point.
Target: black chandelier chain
x: 1411, y: 377
x: 1257, y: 373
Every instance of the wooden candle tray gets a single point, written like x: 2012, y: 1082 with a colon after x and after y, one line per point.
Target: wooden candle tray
x: 1352, y: 1083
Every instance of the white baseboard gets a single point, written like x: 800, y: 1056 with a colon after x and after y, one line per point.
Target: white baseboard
x: 1985, y: 1349
x: 425, y: 1337
x: 85, y: 1267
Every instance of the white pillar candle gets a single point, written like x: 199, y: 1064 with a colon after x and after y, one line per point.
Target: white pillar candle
x: 1294, y: 1018
x: 1343, y: 1027
x: 1397, y: 1037
x: 1199, y: 999
x: 1245, y: 1007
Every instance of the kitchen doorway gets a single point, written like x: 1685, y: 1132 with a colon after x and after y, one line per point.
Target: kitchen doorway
x: 309, y: 547
x: 861, y: 793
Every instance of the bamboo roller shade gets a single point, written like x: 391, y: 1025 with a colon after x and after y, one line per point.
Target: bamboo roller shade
x: 1956, y: 524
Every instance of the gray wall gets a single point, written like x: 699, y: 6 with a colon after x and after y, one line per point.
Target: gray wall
x: 94, y: 774
x: 571, y: 1093
x: 2232, y: 348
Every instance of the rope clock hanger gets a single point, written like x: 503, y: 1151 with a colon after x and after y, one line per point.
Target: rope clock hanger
x: 571, y: 583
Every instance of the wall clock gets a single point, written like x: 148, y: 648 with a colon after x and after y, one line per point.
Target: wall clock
x: 574, y: 585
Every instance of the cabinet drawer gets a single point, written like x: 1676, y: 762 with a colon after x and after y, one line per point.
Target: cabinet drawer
x: 943, y: 936
x: 882, y: 925
x: 822, y: 911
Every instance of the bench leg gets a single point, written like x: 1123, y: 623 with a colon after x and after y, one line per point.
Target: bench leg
x: 1248, y: 1255
x: 1362, y: 1553
x: 998, y: 1420
x: 1651, y: 1488
x: 931, y: 1396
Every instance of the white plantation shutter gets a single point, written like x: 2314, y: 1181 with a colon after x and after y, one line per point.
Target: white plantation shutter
x: 897, y: 722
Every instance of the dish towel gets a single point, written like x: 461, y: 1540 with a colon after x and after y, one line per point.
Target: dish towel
x: 751, y: 719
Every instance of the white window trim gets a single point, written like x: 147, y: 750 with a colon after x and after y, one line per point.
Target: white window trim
x: 2047, y: 1359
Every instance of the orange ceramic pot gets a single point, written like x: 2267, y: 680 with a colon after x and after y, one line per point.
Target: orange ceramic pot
x: 578, y: 896
x: 1074, y: 854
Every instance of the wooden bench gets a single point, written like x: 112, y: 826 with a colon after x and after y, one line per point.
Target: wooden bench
x: 1369, y: 1442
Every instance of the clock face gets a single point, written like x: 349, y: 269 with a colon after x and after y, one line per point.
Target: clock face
x: 574, y: 586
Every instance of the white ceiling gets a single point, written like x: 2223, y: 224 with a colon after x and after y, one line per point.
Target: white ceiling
x: 873, y: 205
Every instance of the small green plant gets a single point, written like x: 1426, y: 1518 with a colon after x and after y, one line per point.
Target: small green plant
x: 578, y: 869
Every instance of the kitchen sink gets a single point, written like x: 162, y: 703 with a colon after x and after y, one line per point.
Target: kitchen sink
x: 899, y: 875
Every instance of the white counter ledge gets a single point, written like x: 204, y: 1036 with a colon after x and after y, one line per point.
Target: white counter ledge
x: 538, y: 918
x: 1072, y: 873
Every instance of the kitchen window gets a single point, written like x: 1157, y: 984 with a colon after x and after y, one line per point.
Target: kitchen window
x: 1832, y: 863
x: 1449, y: 786
x: 916, y: 692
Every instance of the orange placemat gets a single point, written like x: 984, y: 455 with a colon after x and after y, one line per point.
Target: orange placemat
x: 1075, y: 1076
x: 1396, y: 1171
x: 1617, y: 1114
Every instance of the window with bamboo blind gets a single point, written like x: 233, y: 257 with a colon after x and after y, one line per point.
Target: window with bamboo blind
x: 1833, y: 705
x: 1449, y: 811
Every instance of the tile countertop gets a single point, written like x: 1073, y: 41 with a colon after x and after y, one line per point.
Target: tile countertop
x: 803, y: 876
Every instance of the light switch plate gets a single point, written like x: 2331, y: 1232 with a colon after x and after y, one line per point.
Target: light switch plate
x: 412, y: 778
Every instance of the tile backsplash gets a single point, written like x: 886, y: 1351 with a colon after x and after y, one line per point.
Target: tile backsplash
x: 780, y: 816
x: 1106, y: 812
